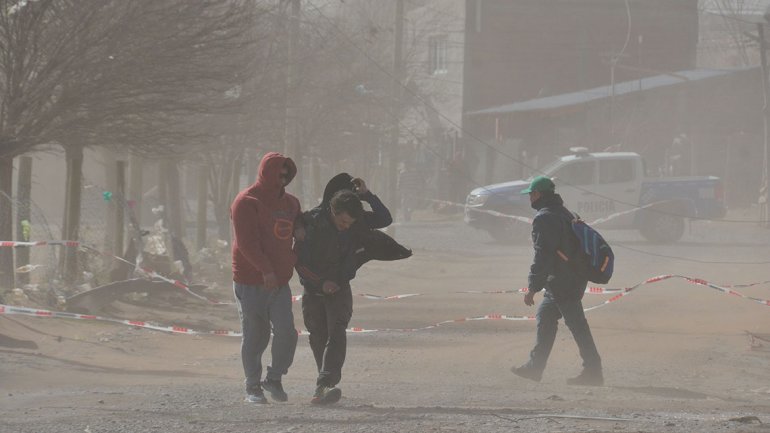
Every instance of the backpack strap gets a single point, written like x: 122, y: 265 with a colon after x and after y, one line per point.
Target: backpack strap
x: 568, y: 218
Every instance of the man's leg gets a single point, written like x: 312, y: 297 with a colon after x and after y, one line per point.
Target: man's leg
x: 575, y: 319
x: 284, y: 333
x: 548, y: 316
x: 252, y: 304
x: 339, y: 309
x: 314, y: 316
x: 284, y: 342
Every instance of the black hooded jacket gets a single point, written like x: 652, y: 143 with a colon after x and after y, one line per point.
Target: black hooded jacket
x: 551, y: 231
x: 327, y: 254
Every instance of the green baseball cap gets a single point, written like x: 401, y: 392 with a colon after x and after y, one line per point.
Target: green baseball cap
x: 540, y: 184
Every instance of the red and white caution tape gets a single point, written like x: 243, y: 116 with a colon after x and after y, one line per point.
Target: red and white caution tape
x: 296, y: 298
x: 39, y: 243
x: 35, y: 312
x: 589, y: 290
x: 9, y: 309
x: 619, y: 293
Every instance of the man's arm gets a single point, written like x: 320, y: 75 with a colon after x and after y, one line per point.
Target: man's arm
x: 379, y: 217
x: 545, y: 239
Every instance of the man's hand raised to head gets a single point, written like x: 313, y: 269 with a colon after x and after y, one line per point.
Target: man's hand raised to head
x: 360, y: 186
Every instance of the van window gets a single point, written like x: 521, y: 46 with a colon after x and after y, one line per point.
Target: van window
x: 616, y: 170
x: 576, y: 173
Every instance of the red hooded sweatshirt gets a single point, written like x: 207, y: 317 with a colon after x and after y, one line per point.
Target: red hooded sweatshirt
x: 263, y: 225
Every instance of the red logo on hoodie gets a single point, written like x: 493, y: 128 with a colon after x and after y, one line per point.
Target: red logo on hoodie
x: 283, y: 229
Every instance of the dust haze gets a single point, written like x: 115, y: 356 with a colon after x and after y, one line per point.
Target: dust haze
x: 131, y: 127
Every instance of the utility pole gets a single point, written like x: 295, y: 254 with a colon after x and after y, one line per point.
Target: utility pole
x: 764, y: 194
x: 398, y: 74
x: 290, y: 136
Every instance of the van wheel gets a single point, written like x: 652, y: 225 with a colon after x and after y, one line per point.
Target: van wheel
x: 510, y: 232
x: 662, y: 228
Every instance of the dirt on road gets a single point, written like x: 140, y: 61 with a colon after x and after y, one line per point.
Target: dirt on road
x: 678, y: 357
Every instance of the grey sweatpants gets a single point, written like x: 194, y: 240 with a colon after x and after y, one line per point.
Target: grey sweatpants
x: 258, y: 308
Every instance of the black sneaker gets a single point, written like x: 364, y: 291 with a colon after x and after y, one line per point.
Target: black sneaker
x: 527, y: 373
x: 255, y: 395
x: 275, y: 389
x: 587, y: 378
x: 326, y: 395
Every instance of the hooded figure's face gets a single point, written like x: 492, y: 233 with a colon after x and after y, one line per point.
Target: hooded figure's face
x: 284, y: 175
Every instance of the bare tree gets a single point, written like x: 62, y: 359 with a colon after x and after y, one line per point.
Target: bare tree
x: 84, y: 73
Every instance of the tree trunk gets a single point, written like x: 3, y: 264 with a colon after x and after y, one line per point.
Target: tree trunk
x: 201, y: 218
x: 135, y: 187
x: 6, y: 224
x: 163, y: 192
x: 111, y: 204
x: 119, y: 203
x: 74, y: 156
x: 174, y: 200
x: 24, y: 214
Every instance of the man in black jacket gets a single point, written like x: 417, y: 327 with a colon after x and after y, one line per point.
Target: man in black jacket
x: 339, y: 238
x: 564, y: 288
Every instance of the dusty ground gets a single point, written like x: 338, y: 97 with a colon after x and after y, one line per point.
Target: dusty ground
x: 676, y: 355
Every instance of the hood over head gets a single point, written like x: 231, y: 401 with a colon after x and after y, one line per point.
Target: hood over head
x: 337, y: 183
x: 269, y: 174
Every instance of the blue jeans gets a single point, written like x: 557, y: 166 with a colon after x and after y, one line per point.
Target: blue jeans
x: 548, y: 314
x: 258, y: 308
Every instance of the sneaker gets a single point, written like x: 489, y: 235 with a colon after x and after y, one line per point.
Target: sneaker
x: 588, y: 378
x: 275, y: 389
x: 255, y: 395
x: 326, y: 395
x: 527, y: 373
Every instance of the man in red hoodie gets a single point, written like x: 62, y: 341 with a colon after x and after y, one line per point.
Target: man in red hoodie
x: 263, y: 218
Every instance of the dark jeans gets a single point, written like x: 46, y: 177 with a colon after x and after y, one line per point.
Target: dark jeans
x: 548, y: 314
x: 326, y: 318
x: 258, y: 308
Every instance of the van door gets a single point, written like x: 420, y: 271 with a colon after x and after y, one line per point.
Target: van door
x: 575, y: 180
x: 617, y: 190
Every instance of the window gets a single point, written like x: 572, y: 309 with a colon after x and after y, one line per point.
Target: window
x: 437, y: 55
x: 616, y: 170
x: 576, y: 173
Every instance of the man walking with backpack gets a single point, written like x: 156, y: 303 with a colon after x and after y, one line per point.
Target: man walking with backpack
x: 554, y: 244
